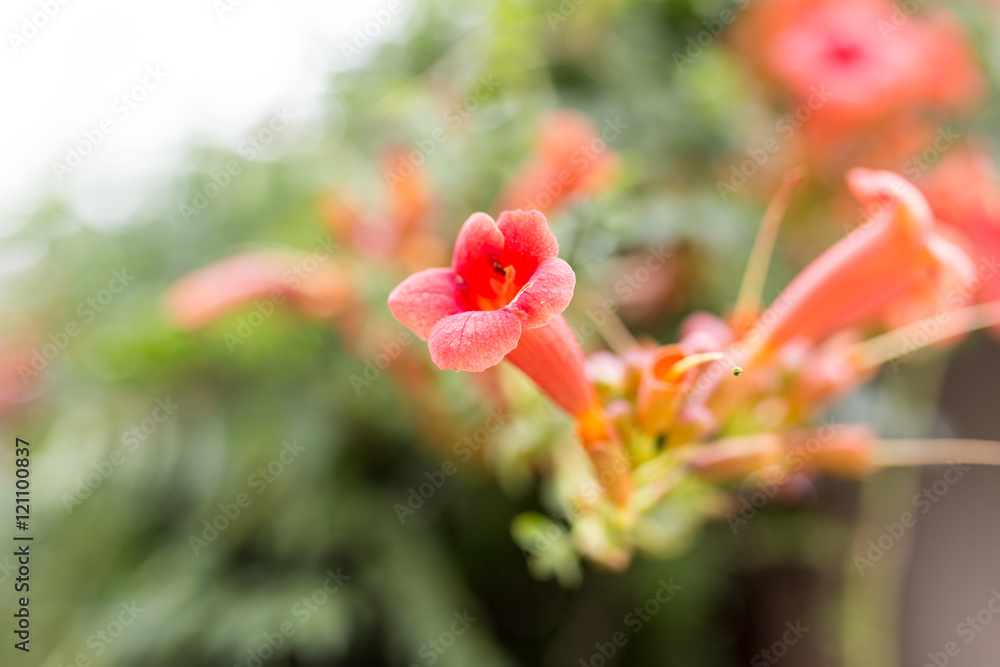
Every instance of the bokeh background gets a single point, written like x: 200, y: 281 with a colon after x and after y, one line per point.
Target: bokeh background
x: 216, y: 127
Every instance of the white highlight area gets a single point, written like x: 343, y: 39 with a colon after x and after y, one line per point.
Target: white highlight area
x: 132, y: 84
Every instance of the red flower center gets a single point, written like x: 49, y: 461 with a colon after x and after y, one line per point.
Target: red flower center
x: 492, y: 284
x: 846, y: 54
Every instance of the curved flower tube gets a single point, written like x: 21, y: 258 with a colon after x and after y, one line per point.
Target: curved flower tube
x: 888, y: 261
x: 214, y: 291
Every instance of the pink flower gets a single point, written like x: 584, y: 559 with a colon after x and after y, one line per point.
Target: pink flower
x: 840, y: 48
x: 872, y: 63
x: 861, y: 76
x: 502, y: 298
x: 237, y: 282
x: 504, y: 282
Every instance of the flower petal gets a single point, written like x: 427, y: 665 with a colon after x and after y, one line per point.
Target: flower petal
x: 551, y: 356
x: 876, y: 189
x: 859, y: 277
x: 547, y: 293
x: 474, y: 340
x: 218, y: 289
x: 424, y: 299
x: 527, y: 239
x: 478, y: 245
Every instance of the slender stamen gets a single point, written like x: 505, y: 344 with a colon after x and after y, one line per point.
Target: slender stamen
x: 519, y: 293
x: 678, y: 370
x: 687, y: 363
x: 616, y: 334
x: 901, y: 342
x: 934, y: 451
x: 610, y: 327
x: 503, y: 288
x: 752, y: 288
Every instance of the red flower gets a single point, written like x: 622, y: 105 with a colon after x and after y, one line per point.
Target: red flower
x: 501, y: 298
x: 505, y: 280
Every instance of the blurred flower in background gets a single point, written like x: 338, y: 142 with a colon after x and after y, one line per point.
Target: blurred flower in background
x: 863, y: 79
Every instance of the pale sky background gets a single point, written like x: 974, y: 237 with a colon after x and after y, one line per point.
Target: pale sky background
x: 223, y: 72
